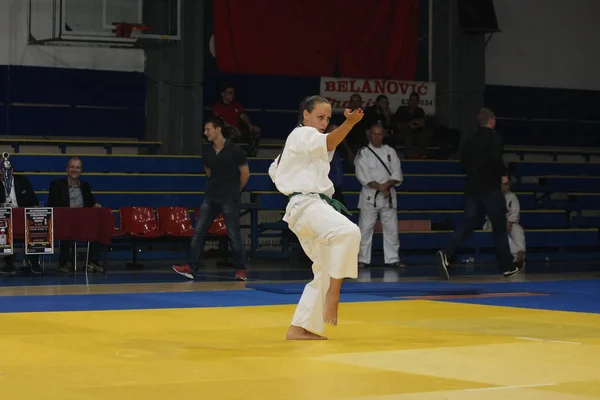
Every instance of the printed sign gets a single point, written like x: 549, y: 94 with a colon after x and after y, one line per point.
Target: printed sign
x: 339, y: 90
x: 39, y: 231
x: 6, y: 231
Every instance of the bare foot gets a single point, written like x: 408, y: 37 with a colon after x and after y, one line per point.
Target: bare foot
x: 298, y: 333
x: 330, y: 313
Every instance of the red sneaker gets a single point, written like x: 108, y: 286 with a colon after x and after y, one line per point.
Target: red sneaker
x: 240, y: 274
x: 184, y: 270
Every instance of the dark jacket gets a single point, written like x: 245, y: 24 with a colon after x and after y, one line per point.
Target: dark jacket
x: 58, y: 195
x: 482, y: 161
x: 25, y: 195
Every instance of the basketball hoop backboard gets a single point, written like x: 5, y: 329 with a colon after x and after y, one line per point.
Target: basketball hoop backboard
x: 115, y: 23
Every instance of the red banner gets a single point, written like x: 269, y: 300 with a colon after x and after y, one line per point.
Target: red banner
x: 376, y: 39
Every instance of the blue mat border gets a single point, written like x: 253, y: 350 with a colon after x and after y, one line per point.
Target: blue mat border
x: 584, y: 287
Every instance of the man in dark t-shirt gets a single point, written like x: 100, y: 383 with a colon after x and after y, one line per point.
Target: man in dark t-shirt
x: 225, y: 166
x: 227, y: 173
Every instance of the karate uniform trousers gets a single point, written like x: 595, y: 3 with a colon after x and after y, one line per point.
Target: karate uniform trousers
x: 389, y: 224
x: 332, y: 243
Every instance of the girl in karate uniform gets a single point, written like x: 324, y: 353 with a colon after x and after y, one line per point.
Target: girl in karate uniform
x: 327, y: 237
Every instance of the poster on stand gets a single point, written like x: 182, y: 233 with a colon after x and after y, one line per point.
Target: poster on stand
x: 39, y: 231
x: 6, y: 232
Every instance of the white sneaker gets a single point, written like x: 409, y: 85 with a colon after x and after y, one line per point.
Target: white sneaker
x: 442, y: 264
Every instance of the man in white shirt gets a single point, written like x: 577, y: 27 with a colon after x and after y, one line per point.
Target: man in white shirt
x: 379, y: 172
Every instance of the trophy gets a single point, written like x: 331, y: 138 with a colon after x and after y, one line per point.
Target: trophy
x: 7, y: 179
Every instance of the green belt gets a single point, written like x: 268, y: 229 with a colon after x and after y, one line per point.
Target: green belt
x: 339, y: 207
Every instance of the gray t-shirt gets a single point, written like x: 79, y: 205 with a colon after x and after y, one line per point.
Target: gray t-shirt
x: 75, y: 196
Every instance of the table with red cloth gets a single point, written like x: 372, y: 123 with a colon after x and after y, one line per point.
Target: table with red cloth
x: 84, y: 224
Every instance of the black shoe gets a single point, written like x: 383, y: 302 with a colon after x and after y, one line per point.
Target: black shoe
x: 398, y: 264
x: 442, y: 264
x: 63, y: 268
x: 35, y: 268
x: 8, y: 270
x: 93, y: 266
x: 518, y: 267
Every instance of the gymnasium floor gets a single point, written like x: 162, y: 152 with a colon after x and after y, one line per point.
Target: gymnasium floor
x: 403, y: 334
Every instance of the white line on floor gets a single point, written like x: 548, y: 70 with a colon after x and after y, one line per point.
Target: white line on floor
x: 547, y: 340
x: 510, y: 387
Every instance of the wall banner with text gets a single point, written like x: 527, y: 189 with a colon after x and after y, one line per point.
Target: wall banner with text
x: 339, y: 90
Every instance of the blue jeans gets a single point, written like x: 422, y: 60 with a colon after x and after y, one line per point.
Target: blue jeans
x: 209, y: 210
x: 476, y: 206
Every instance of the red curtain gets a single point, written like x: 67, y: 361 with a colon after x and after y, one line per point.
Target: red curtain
x: 380, y: 40
x: 274, y: 37
x: 369, y: 39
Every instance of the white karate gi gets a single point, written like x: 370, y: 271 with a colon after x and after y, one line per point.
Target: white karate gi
x: 372, y: 202
x: 327, y: 237
x: 516, y: 237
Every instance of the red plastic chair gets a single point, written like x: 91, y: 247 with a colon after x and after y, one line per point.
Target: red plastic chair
x: 139, y: 222
x: 120, y: 231
x: 175, y: 221
x: 218, y: 227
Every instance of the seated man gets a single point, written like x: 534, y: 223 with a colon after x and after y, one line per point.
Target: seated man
x: 73, y: 192
x: 20, y: 194
x: 410, y: 126
x: 234, y: 115
x: 516, y: 234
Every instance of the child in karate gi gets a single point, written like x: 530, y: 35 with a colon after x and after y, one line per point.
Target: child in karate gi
x: 516, y: 234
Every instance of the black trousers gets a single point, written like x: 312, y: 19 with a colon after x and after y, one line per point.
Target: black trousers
x: 476, y: 206
x: 67, y: 247
x: 33, y: 258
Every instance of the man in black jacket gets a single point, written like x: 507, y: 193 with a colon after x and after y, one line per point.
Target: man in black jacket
x: 483, y: 164
x: 21, y: 195
x: 73, y: 192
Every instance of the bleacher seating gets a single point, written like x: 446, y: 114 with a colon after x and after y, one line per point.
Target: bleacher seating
x: 65, y: 102
x: 154, y: 164
x: 528, y: 168
x: 65, y: 144
x: 432, y: 190
x: 536, y: 116
x: 417, y: 192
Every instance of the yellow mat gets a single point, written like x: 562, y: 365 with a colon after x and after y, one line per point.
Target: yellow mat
x: 380, y: 351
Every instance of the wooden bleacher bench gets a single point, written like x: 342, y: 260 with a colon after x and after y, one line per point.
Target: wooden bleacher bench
x: 556, y: 168
x: 62, y: 144
x: 554, y: 152
x: 123, y: 164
